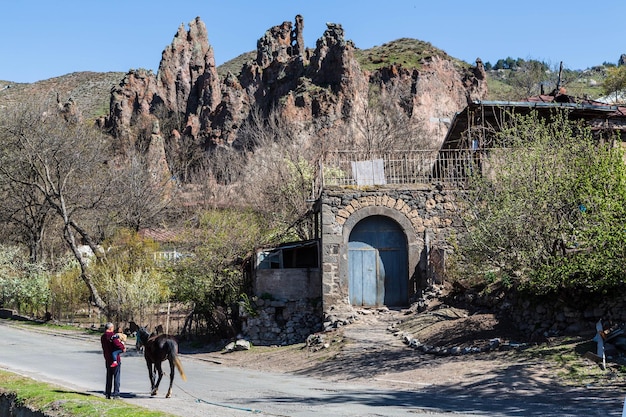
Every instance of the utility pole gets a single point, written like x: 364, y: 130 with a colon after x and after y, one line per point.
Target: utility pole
x: 559, y: 80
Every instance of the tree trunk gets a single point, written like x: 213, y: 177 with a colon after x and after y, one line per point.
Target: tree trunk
x: 68, y: 233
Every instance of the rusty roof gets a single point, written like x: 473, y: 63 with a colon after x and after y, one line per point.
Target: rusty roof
x: 612, y: 110
x: 489, y: 113
x: 160, y: 235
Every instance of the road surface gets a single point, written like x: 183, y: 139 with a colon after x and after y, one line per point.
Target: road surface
x: 212, y: 389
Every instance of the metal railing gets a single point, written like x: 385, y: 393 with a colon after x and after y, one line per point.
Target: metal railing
x: 166, y: 256
x: 452, y: 167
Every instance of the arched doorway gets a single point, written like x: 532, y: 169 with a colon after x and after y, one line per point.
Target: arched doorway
x: 377, y: 263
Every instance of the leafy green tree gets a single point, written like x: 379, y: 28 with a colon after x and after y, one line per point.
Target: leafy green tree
x: 129, y: 279
x: 68, y: 292
x: 615, y: 81
x: 508, y: 63
x: 212, y: 277
x: 548, y: 211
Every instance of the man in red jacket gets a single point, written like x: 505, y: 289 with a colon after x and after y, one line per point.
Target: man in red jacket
x: 110, y: 343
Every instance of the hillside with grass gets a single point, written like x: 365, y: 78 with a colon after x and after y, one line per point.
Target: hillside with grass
x: 513, y: 83
x: 406, y: 52
x: 91, y: 91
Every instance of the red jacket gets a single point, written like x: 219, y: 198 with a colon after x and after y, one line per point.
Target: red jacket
x: 110, y: 343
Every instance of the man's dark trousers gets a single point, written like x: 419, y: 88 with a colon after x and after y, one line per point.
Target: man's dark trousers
x: 113, y: 381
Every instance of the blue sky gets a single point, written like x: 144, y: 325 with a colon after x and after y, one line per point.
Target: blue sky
x: 41, y: 39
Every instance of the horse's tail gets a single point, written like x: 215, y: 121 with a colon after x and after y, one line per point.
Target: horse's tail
x: 179, y: 366
x: 174, y: 353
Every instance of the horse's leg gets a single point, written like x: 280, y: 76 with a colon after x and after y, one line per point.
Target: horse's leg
x: 151, y: 375
x: 169, y: 391
x: 157, y: 365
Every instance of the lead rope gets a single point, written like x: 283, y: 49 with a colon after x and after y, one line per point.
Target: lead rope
x: 200, y: 400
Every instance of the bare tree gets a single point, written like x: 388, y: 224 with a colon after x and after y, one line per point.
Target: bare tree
x: 530, y: 78
x: 140, y: 198
x: 24, y: 214
x: 64, y: 165
x: 385, y: 123
x: 279, y: 171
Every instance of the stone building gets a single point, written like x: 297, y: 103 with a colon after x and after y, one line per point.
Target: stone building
x: 381, y: 246
x: 386, y: 224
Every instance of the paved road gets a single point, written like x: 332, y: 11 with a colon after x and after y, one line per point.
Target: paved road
x: 214, y: 390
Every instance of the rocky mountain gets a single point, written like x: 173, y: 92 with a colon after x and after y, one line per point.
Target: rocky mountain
x: 324, y: 88
x: 327, y: 88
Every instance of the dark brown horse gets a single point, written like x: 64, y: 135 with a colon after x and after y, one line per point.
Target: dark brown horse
x: 156, y: 349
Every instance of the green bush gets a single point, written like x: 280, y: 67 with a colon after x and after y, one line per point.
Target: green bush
x: 547, y: 210
x: 24, y: 286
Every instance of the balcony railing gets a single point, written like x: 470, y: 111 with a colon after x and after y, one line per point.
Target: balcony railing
x: 451, y: 167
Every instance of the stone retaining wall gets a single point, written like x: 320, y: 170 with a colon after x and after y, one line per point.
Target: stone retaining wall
x: 539, y: 317
x: 268, y: 322
x: 574, y: 316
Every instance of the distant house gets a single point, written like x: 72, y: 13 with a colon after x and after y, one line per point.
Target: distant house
x: 169, y: 242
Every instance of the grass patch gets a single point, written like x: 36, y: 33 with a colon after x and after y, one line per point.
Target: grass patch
x: 566, y: 355
x: 56, y: 401
x: 409, y: 53
x: 498, y: 90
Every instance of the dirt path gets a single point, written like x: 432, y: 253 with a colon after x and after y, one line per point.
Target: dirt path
x: 372, y: 352
x: 366, y: 351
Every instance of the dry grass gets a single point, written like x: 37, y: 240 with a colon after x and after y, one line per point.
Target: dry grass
x: 91, y: 91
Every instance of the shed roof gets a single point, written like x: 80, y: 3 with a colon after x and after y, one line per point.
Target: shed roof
x: 490, y: 113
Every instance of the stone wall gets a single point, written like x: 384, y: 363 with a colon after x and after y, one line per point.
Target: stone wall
x: 279, y: 321
x: 427, y: 214
x: 289, y: 305
x: 539, y: 317
x: 542, y: 317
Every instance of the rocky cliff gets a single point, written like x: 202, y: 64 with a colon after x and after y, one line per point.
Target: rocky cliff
x: 324, y: 88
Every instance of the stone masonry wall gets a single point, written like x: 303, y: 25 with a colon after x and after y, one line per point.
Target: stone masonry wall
x: 427, y: 214
x: 540, y: 317
x: 280, y: 322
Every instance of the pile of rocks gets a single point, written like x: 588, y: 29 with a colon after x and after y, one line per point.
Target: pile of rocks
x: 494, y: 344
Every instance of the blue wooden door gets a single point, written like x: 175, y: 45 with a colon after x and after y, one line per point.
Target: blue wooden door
x: 364, y: 283
x: 377, y: 263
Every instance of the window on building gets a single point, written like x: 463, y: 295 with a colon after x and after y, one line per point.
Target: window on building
x: 293, y: 255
